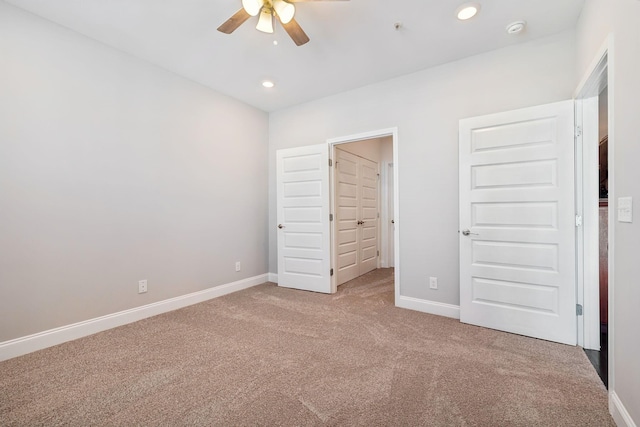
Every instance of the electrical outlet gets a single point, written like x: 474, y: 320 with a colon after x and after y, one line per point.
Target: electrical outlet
x: 433, y: 282
x: 238, y: 267
x: 142, y: 286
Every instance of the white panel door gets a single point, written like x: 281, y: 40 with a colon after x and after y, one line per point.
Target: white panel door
x: 368, y: 216
x: 356, y: 215
x: 347, y: 216
x: 517, y: 222
x: 303, y: 218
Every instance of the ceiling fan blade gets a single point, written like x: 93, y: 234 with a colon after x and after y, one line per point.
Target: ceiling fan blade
x: 234, y: 22
x: 295, y: 32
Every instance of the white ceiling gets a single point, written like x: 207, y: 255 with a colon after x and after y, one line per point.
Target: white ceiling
x: 353, y: 43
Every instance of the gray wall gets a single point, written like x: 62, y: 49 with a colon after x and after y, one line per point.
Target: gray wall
x: 620, y: 18
x: 426, y: 108
x: 112, y: 171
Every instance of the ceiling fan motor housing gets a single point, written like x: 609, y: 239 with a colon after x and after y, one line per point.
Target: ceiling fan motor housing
x: 284, y: 10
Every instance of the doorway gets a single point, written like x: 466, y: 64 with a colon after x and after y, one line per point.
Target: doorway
x: 377, y: 148
x: 306, y: 210
x: 593, y: 103
x: 596, y: 283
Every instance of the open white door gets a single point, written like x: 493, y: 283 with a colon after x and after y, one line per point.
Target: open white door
x: 304, y: 239
x: 517, y: 222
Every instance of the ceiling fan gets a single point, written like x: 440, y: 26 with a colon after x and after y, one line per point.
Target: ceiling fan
x: 268, y: 10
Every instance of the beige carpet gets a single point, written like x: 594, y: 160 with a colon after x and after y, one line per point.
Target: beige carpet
x: 271, y: 356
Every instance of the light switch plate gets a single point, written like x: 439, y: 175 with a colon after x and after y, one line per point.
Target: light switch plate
x: 625, y: 209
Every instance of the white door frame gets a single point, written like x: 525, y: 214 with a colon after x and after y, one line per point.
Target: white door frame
x: 587, y: 236
x: 332, y: 142
x: 385, y: 217
x: 594, y: 81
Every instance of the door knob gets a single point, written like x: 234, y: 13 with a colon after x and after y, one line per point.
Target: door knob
x: 393, y: 221
x: 467, y: 233
x: 280, y: 226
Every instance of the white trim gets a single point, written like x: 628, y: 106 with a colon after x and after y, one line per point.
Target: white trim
x: 383, y: 243
x: 430, y: 307
x: 273, y: 277
x: 393, y: 133
x: 391, y: 227
x: 23, y: 345
x: 364, y: 135
x: 619, y: 413
x: 580, y: 178
x: 598, y: 75
x: 384, y: 214
x: 595, y: 79
x: 612, y: 219
x: 396, y: 214
x: 588, y: 236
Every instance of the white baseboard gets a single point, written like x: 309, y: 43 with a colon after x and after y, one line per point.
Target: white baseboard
x: 619, y: 413
x: 430, y: 307
x: 273, y: 277
x: 20, y: 346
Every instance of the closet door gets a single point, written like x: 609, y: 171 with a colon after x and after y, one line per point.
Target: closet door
x: 347, y: 210
x: 356, y: 186
x: 368, y: 215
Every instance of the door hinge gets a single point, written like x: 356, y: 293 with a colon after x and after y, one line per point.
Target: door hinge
x: 579, y: 309
x: 578, y: 220
x: 332, y: 271
x: 378, y: 214
x: 330, y: 217
x: 378, y: 253
x: 578, y: 131
x: 330, y: 162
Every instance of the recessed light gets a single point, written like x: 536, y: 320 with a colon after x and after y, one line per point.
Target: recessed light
x: 275, y: 42
x: 268, y: 84
x: 467, y: 11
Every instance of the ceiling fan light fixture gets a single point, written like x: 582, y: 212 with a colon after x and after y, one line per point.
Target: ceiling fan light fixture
x: 265, y: 23
x: 467, y: 11
x: 284, y: 10
x: 252, y: 6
